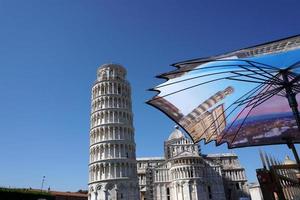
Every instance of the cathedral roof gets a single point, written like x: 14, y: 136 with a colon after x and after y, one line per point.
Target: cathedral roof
x: 176, y: 134
x: 186, y: 154
x: 288, y: 161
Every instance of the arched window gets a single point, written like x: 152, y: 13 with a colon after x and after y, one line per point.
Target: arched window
x: 102, y: 89
x: 237, y: 185
x: 209, y: 192
x: 168, y: 194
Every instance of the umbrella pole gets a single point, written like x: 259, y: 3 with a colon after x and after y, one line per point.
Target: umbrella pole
x: 291, y: 96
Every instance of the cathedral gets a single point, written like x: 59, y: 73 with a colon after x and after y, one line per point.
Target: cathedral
x: 185, y: 174
x: 182, y: 174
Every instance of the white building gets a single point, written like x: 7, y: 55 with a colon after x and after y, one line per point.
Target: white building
x: 233, y: 174
x: 185, y: 174
x: 112, y: 167
x: 255, y: 191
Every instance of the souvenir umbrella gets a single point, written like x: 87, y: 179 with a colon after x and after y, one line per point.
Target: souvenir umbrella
x: 243, y: 98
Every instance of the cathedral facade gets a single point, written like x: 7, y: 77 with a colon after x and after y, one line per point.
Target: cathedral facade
x: 185, y: 174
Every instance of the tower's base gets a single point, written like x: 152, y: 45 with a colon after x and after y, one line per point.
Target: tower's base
x: 114, y: 190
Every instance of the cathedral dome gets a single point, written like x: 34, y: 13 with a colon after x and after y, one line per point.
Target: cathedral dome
x: 288, y: 161
x: 176, y: 134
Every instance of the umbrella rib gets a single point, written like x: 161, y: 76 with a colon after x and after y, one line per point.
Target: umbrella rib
x: 242, y: 80
x: 258, y: 69
x: 280, y: 95
x: 282, y: 92
x: 210, y: 81
x: 257, y: 103
x: 249, y: 75
x: 216, y: 60
x: 189, y: 87
x: 265, y: 89
x: 266, y: 72
x: 265, y: 65
x: 292, y: 76
x: 237, y: 106
x: 241, y: 124
x: 295, y: 65
x: 179, y: 71
x: 271, y: 76
x: 295, y: 84
x: 201, y: 76
x: 296, y: 88
x: 236, y: 118
x: 264, y: 98
x: 251, y: 92
x: 258, y: 96
x: 296, y: 79
x: 253, y: 106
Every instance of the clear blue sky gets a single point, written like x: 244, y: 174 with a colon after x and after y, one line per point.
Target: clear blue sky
x: 49, y: 53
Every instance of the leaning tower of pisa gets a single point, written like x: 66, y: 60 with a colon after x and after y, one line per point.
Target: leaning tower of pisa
x: 112, y: 166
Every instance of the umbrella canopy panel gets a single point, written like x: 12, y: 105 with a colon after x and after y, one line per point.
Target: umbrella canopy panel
x: 242, y: 98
